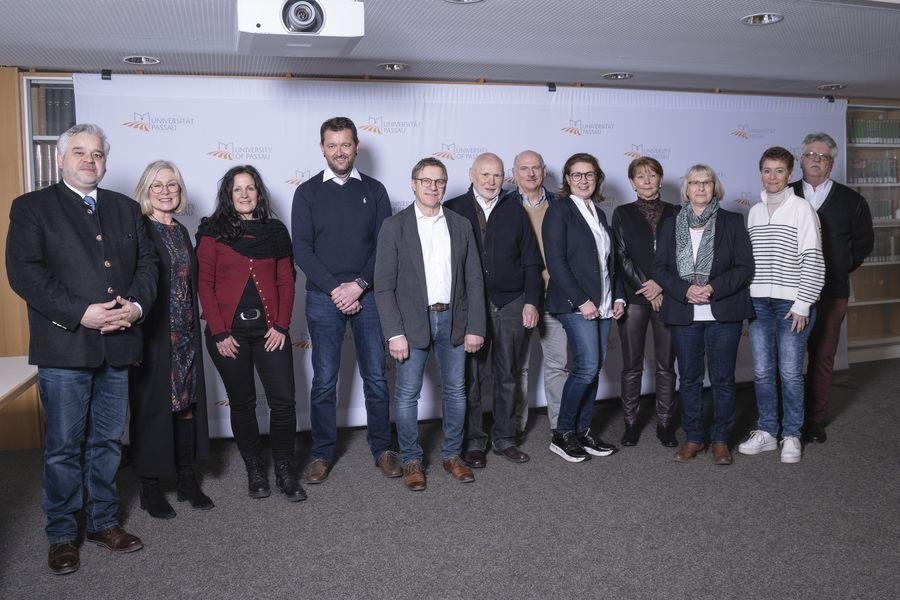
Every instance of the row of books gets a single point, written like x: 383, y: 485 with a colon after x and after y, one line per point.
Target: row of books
x: 872, y: 170
x: 46, y: 171
x: 52, y: 109
x: 883, y: 209
x: 885, y: 249
x: 874, y: 131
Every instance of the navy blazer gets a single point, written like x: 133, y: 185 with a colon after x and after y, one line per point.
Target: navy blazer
x: 572, y: 259
x: 730, y: 276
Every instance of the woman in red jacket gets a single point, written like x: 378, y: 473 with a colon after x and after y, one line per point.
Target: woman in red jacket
x: 246, y: 287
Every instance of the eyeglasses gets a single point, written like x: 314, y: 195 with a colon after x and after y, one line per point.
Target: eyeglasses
x: 701, y: 184
x: 172, y: 187
x: 816, y: 156
x: 587, y: 176
x: 428, y: 182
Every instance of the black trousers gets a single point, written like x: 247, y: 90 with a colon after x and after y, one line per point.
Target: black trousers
x: 506, y: 344
x: 276, y: 372
x: 633, y: 336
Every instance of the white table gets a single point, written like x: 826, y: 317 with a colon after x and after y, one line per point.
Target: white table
x: 16, y: 376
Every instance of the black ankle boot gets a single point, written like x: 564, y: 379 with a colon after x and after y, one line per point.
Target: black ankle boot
x: 188, y: 488
x: 153, y: 500
x: 257, y: 479
x: 666, y: 435
x: 287, y: 481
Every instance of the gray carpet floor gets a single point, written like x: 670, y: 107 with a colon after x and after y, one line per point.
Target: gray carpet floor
x: 633, y: 525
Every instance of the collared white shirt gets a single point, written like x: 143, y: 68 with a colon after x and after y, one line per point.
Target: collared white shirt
x: 434, y: 235
x: 601, y: 239
x: 486, y: 205
x: 527, y: 203
x: 816, y: 196
x: 82, y: 195
x: 329, y: 175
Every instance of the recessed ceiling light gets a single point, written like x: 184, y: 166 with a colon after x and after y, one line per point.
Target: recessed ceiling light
x: 139, y: 59
x: 463, y: 1
x: 618, y: 75
x: 831, y: 87
x: 762, y: 19
x: 393, y: 66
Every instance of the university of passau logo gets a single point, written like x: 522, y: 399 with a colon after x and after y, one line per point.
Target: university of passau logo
x: 298, y: 178
x: 453, y: 152
x: 147, y: 122
x: 579, y: 127
x: 379, y: 126
x: 639, y: 150
x: 745, y: 132
x: 232, y: 151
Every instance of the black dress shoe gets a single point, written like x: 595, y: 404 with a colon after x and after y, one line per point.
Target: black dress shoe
x: 287, y: 480
x: 63, y: 558
x: 153, y: 500
x: 257, y: 480
x: 513, y: 454
x: 631, y: 435
x: 476, y: 459
x: 814, y: 432
x: 666, y: 436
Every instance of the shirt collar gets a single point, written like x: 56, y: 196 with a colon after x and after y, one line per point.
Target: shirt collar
x: 420, y: 215
x: 527, y: 203
x: 328, y: 175
x: 485, y: 203
x: 823, y: 186
x: 82, y: 195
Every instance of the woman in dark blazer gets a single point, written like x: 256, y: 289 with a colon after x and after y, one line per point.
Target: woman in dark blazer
x: 583, y: 295
x: 246, y: 286
x: 704, y: 264
x: 168, y: 397
x: 636, y: 226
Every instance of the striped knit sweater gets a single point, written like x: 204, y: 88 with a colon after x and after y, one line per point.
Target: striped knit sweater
x: 787, y: 249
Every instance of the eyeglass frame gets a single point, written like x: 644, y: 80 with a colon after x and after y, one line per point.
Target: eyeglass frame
x: 166, y: 186
x: 816, y: 155
x: 579, y: 175
x: 428, y: 181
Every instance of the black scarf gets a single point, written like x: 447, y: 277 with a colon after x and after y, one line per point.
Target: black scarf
x: 257, y: 239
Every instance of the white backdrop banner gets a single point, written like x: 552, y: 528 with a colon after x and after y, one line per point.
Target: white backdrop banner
x: 207, y: 125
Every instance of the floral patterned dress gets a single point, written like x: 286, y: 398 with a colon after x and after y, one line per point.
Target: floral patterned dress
x: 184, y: 374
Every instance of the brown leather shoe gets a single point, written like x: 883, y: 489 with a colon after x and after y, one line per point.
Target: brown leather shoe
x: 115, y: 539
x: 458, y: 469
x: 475, y: 458
x: 720, y: 453
x: 513, y: 454
x: 317, y: 472
x: 414, y: 476
x: 389, y: 464
x: 63, y: 558
x: 688, y: 451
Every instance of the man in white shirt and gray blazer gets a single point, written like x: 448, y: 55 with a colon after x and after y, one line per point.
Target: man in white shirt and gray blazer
x: 430, y: 296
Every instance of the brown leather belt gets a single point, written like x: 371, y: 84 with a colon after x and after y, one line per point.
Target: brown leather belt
x: 439, y: 307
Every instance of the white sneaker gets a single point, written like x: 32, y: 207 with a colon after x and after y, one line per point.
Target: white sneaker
x: 791, y: 450
x: 759, y: 441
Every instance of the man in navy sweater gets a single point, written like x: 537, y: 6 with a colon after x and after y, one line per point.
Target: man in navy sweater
x: 335, y: 221
x: 511, y: 263
x: 847, y: 239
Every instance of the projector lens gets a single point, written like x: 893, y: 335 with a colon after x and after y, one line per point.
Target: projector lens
x: 302, y: 16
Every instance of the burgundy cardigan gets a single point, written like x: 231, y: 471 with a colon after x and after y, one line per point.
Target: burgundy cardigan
x: 222, y: 276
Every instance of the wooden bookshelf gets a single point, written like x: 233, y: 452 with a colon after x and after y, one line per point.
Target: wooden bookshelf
x: 873, y: 314
x: 49, y: 109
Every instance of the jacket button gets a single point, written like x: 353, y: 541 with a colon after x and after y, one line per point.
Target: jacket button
x: 109, y: 290
x: 107, y: 264
x: 99, y: 238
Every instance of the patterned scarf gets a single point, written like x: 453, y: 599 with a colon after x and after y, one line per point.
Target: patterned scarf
x: 652, y: 210
x: 695, y: 272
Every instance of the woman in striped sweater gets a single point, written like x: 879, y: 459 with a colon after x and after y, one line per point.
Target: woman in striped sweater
x: 790, y: 272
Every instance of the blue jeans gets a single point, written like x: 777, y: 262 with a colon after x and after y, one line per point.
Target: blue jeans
x: 587, y: 344
x: 719, y: 342
x: 84, y: 411
x: 327, y: 325
x: 452, y: 364
x: 778, y: 351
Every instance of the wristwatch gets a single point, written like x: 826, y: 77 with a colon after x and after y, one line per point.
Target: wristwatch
x: 361, y: 282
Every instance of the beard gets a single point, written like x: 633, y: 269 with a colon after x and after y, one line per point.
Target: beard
x: 341, y: 172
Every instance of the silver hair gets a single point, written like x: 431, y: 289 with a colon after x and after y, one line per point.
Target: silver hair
x: 538, y: 154
x: 821, y: 136
x: 718, y: 188
x: 62, y: 144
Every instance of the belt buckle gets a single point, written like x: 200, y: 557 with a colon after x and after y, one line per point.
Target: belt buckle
x: 250, y: 315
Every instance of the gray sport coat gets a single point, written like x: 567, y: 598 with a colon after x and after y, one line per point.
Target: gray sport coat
x: 400, y: 291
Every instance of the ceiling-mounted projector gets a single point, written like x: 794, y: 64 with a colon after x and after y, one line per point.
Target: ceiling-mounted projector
x: 315, y: 28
